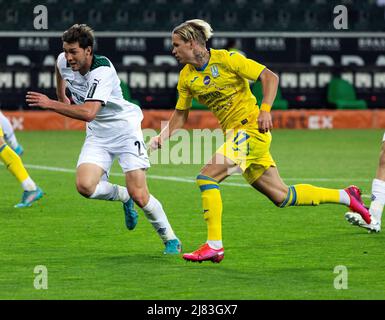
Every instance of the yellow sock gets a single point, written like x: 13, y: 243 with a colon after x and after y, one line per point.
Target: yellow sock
x: 13, y: 162
x: 306, y: 194
x: 212, y: 206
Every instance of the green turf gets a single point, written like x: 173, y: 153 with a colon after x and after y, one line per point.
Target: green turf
x: 270, y: 253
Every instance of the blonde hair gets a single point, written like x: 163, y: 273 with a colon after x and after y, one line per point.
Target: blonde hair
x: 196, y: 29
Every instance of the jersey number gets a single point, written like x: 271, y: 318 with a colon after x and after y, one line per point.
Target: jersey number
x: 137, y: 143
x: 240, y: 138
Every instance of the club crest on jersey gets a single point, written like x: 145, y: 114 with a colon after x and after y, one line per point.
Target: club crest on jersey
x: 214, y: 71
x: 206, y: 80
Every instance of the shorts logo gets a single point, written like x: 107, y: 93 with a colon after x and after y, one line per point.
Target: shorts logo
x: 206, y: 80
x: 214, y: 71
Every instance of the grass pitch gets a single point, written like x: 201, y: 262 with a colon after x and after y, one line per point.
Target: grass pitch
x: 270, y: 253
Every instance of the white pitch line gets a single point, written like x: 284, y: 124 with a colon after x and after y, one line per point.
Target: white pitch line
x: 189, y: 180
x: 150, y: 176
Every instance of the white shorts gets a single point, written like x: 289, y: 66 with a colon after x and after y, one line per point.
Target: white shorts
x: 128, y: 147
x: 383, y: 138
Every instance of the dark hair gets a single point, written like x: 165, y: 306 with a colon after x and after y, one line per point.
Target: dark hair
x: 79, y: 33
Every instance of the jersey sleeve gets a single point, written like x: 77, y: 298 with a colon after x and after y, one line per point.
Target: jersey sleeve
x: 246, y: 68
x: 100, y: 85
x: 184, y: 94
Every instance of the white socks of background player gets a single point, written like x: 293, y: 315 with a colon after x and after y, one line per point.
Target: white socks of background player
x: 155, y: 214
x: 378, y: 199
x: 108, y: 191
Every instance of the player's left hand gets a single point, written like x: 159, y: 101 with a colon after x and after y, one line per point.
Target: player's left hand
x: 265, y: 123
x: 155, y: 143
x: 36, y: 99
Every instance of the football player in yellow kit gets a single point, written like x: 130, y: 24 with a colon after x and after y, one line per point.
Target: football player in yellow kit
x: 219, y: 80
x: 9, y: 135
x: 14, y: 164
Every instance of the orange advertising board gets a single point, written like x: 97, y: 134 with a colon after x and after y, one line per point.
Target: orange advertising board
x: 199, y: 119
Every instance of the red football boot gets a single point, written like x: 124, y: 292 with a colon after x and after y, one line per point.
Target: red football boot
x: 356, y: 204
x: 205, y: 253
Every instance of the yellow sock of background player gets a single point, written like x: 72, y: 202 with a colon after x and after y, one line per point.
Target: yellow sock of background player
x: 212, y: 208
x: 14, y: 164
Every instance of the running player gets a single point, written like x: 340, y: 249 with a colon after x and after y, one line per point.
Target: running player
x: 378, y: 198
x: 219, y: 79
x: 9, y: 135
x: 14, y: 164
x: 113, y: 131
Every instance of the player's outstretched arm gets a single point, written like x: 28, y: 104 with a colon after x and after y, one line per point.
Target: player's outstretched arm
x: 86, y: 111
x: 269, y: 82
x: 177, y: 121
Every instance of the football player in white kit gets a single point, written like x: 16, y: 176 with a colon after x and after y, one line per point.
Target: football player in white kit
x: 113, y: 131
x: 378, y: 199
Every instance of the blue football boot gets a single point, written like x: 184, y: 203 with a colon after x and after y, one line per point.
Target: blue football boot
x: 130, y: 214
x: 173, y: 246
x: 30, y: 197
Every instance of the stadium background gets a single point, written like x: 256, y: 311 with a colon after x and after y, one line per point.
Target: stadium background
x: 297, y: 40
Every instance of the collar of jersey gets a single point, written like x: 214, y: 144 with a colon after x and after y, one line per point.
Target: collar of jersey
x: 205, y: 65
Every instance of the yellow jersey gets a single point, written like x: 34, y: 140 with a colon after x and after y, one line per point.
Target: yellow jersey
x: 222, y: 85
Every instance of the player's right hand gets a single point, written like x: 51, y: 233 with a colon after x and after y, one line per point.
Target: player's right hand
x: 36, y: 99
x: 155, y: 143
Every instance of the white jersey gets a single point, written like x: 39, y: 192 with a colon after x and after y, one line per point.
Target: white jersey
x: 101, y: 83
